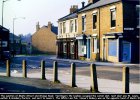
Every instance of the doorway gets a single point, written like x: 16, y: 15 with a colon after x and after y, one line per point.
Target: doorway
x: 88, y: 48
x: 126, y: 51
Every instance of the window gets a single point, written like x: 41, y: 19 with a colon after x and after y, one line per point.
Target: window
x: 71, y: 26
x: 138, y: 15
x: 72, y: 48
x: 65, y: 47
x: 76, y: 25
x: 64, y: 27
x: 83, y: 23
x: 60, y: 28
x: 95, y: 45
x: 94, y: 21
x: 112, y: 48
x: 113, y: 17
x: 81, y: 47
x: 4, y: 44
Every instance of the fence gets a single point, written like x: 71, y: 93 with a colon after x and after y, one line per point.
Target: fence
x: 93, y: 72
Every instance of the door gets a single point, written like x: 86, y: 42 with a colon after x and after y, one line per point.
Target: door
x: 88, y: 48
x: 126, y: 52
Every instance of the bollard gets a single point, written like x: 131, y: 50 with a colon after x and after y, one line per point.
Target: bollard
x: 43, y: 70
x: 73, y: 75
x: 125, y: 80
x: 24, y: 69
x: 94, y: 82
x: 55, y: 72
x: 8, y: 68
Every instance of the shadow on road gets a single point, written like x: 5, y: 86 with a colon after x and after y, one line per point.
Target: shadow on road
x: 6, y: 87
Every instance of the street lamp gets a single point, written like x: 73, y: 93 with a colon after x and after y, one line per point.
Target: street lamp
x: 14, y: 19
x: 3, y: 1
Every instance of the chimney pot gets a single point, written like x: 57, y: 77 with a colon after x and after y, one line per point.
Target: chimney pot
x: 37, y: 26
x: 83, y: 4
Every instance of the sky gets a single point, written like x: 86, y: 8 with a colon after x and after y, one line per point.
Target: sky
x: 34, y: 11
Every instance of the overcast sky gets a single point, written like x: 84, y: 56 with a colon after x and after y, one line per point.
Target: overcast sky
x: 34, y: 11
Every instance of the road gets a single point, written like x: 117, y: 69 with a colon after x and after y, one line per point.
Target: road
x: 82, y: 68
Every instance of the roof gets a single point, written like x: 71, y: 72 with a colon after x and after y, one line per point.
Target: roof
x: 3, y: 28
x: 54, y: 30
x: 98, y: 4
x: 72, y: 15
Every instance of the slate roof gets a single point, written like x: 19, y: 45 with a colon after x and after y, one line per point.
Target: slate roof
x: 54, y: 30
x: 3, y: 29
x: 99, y: 4
x: 90, y: 6
x: 72, y: 15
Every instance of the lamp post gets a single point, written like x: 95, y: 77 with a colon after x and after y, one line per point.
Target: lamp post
x: 14, y: 19
x: 3, y: 1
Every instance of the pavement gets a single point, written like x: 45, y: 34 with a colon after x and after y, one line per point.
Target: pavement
x: 53, y: 57
x: 105, y: 85
x: 95, y: 62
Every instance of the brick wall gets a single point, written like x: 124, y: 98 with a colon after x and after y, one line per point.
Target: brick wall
x: 44, y: 40
x: 105, y: 27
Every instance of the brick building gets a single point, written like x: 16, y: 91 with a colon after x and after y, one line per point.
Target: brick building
x: 108, y: 30
x: 111, y: 30
x: 44, y: 39
x: 67, y: 32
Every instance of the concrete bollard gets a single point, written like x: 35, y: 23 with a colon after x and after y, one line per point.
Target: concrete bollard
x: 24, y: 68
x: 8, y: 68
x: 55, y: 72
x: 125, y: 80
x: 73, y: 75
x: 43, y: 70
x: 94, y: 82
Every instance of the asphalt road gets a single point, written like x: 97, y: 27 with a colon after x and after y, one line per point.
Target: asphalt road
x: 82, y: 68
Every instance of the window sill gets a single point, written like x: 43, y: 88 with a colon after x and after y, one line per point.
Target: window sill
x: 113, y: 28
x: 95, y: 29
x: 112, y: 56
x: 83, y: 31
x: 95, y: 52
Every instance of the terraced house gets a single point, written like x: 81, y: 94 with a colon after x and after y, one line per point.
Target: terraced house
x: 108, y: 30
x: 68, y: 28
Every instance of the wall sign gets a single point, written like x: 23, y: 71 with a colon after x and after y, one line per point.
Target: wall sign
x: 128, y: 29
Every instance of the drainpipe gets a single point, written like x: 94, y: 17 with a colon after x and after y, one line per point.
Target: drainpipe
x: 99, y: 36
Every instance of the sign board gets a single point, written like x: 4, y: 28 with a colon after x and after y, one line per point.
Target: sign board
x: 128, y: 29
x: 84, y: 50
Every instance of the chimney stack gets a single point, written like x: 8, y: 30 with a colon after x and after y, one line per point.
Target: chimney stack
x: 83, y: 4
x: 73, y: 8
x: 50, y: 25
x: 37, y: 26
